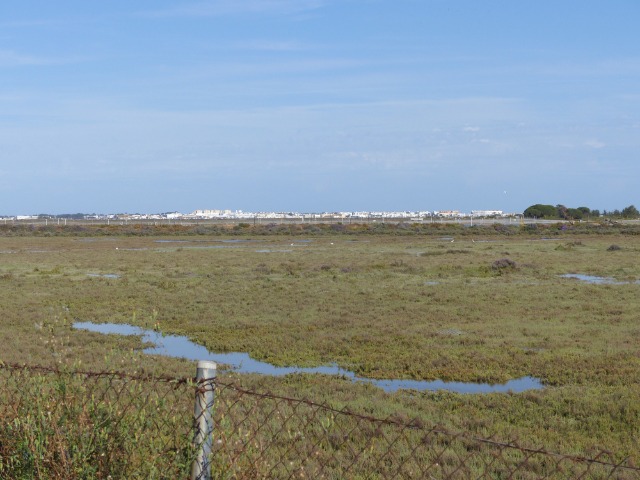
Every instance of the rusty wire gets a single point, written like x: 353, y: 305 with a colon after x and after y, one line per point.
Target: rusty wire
x: 141, y: 426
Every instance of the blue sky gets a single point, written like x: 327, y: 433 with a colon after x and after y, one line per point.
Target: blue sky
x: 318, y: 105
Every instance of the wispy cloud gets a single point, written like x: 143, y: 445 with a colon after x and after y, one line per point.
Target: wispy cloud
x: 28, y: 23
x: 603, y: 67
x: 10, y: 59
x: 236, y: 7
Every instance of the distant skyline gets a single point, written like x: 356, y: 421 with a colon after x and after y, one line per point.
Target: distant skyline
x: 237, y: 213
x: 318, y: 105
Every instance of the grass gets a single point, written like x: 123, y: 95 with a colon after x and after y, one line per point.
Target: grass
x: 396, y: 303
x: 72, y: 426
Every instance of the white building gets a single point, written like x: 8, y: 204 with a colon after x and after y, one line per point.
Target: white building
x: 487, y: 213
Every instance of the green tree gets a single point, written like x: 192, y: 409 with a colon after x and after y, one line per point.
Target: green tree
x: 541, y: 211
x: 630, y: 212
x: 584, y: 210
x: 562, y: 211
x: 573, y: 214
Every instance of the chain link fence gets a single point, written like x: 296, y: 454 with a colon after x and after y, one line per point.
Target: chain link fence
x: 111, y: 425
x: 71, y: 424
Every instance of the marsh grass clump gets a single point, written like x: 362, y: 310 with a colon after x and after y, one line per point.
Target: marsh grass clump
x: 400, y: 266
x: 570, y: 245
x: 263, y: 269
x: 503, y: 265
x: 58, y: 424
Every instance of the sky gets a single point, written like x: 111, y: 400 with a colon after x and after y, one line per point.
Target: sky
x: 318, y: 105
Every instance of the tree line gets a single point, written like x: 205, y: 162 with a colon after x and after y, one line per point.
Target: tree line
x: 566, y: 213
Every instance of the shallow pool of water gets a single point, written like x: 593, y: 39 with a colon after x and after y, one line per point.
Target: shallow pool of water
x: 103, y: 275
x: 182, y: 347
x: 595, y: 279
x: 267, y: 250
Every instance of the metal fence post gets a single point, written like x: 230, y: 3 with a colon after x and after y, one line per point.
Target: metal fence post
x: 203, y: 420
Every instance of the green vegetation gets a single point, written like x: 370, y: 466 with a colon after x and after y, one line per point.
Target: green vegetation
x: 70, y: 426
x: 630, y: 212
x: 383, y: 300
x: 561, y: 212
x: 310, y: 230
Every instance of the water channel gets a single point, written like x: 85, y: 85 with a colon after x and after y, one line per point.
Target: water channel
x: 597, y: 280
x: 182, y: 347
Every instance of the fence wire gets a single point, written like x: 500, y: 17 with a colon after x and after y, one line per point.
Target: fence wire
x: 111, y: 425
x: 59, y: 424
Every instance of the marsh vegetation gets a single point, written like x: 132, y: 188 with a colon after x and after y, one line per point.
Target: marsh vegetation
x: 403, y: 304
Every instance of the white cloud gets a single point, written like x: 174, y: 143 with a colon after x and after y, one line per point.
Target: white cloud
x: 471, y: 129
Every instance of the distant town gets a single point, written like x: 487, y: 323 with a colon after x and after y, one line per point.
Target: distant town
x: 242, y: 215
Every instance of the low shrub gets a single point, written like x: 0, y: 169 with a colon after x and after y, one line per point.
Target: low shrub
x: 503, y: 265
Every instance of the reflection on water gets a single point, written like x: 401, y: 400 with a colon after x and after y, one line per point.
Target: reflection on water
x: 596, y: 280
x: 103, y: 275
x: 182, y: 347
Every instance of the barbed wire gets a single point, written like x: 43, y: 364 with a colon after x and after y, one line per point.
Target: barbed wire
x: 418, y: 424
x: 59, y: 422
x: 106, y: 373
